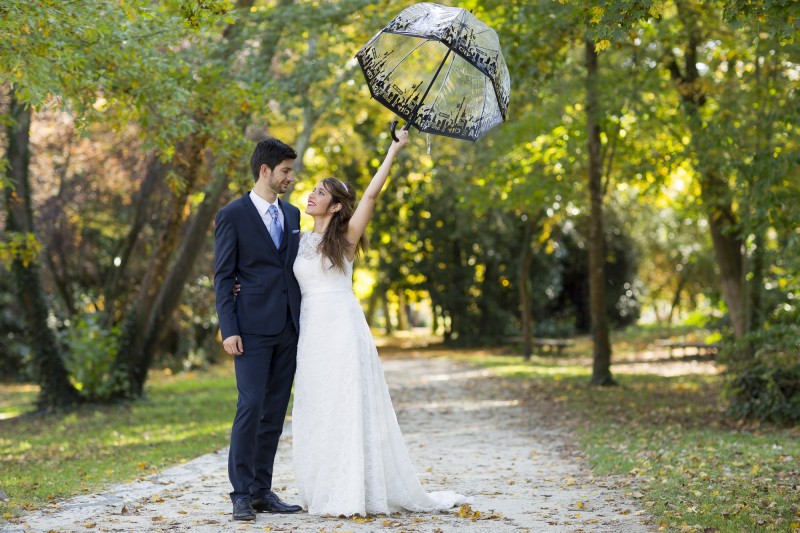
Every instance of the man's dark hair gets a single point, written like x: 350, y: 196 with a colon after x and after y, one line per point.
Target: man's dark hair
x: 270, y: 152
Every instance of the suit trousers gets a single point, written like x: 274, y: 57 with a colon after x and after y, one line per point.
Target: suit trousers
x: 264, y: 375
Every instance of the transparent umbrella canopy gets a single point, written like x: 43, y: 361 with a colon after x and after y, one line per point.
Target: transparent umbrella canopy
x: 439, y: 68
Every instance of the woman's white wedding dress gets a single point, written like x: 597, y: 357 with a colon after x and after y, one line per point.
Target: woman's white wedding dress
x: 348, y: 453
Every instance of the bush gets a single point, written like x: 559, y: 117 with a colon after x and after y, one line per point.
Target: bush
x: 766, y: 386
x: 91, y: 352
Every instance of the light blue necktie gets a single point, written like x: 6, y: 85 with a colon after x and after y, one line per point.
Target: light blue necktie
x: 275, y: 229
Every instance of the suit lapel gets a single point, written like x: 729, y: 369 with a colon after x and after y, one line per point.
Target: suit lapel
x: 255, y: 218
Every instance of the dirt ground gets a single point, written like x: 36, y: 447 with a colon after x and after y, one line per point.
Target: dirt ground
x: 466, y: 430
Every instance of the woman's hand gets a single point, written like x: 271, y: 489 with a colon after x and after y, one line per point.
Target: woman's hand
x: 402, y: 142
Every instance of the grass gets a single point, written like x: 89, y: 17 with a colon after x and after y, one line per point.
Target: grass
x: 54, y: 457
x: 668, y: 439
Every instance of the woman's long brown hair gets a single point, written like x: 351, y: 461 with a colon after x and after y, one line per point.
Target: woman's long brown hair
x: 334, y: 243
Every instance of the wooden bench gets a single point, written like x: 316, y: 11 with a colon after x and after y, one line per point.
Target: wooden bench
x: 698, y: 348
x: 545, y: 345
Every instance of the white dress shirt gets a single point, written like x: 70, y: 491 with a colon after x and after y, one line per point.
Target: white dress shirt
x: 263, y: 210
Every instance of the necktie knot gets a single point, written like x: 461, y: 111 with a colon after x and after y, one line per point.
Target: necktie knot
x: 275, y: 229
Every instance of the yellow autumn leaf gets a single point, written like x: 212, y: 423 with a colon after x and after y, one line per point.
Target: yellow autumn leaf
x: 596, y: 14
x: 656, y: 8
x: 601, y: 45
x: 579, y: 505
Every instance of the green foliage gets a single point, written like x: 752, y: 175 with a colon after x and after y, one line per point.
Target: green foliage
x: 781, y: 17
x: 92, y: 348
x: 19, y: 246
x: 766, y: 386
x: 767, y: 389
x: 200, y: 12
x: 147, y: 79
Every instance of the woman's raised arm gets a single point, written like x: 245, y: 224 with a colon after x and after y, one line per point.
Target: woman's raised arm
x: 366, y: 206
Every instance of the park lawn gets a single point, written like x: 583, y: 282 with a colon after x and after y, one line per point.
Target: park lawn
x: 668, y: 440
x: 49, y: 458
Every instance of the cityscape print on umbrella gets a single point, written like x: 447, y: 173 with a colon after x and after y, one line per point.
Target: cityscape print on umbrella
x: 471, y: 94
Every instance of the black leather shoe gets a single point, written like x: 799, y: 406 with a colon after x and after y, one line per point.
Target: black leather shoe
x: 270, y: 503
x: 243, y: 509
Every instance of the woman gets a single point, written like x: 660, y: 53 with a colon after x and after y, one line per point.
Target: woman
x: 349, y: 455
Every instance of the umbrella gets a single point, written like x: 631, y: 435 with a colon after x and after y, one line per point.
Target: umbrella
x: 439, y: 68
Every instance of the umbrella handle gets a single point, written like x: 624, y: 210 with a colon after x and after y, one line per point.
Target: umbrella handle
x: 394, y: 126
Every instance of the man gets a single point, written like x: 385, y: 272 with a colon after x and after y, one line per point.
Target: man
x: 256, y: 240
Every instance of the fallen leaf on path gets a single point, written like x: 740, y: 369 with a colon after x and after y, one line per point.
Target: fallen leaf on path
x: 465, y: 511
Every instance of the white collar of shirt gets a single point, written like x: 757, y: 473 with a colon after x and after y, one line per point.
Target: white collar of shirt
x: 263, y: 209
x: 263, y: 205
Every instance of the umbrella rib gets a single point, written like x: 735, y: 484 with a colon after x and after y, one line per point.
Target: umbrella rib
x: 483, y: 108
x: 405, y: 56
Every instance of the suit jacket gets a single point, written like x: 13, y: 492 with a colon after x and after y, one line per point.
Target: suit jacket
x: 243, y: 250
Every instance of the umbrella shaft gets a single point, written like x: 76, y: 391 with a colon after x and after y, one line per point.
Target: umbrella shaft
x: 438, y: 70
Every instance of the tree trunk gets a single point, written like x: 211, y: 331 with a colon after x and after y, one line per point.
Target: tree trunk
x: 372, y: 307
x: 601, y: 352
x: 526, y: 322
x: 716, y: 195
x: 51, y: 374
x: 402, y: 311
x: 387, y: 317
x: 728, y: 248
x: 683, y: 278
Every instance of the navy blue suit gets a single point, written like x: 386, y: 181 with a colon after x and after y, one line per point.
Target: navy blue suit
x: 266, y: 314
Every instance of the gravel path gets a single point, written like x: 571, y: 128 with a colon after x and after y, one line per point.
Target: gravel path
x: 466, y: 432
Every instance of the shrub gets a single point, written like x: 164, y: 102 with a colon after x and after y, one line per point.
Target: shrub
x: 766, y: 386
x: 92, y: 349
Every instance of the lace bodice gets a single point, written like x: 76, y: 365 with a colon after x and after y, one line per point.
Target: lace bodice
x: 316, y: 274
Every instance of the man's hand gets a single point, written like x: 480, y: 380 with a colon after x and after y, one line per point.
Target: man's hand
x: 233, y: 345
